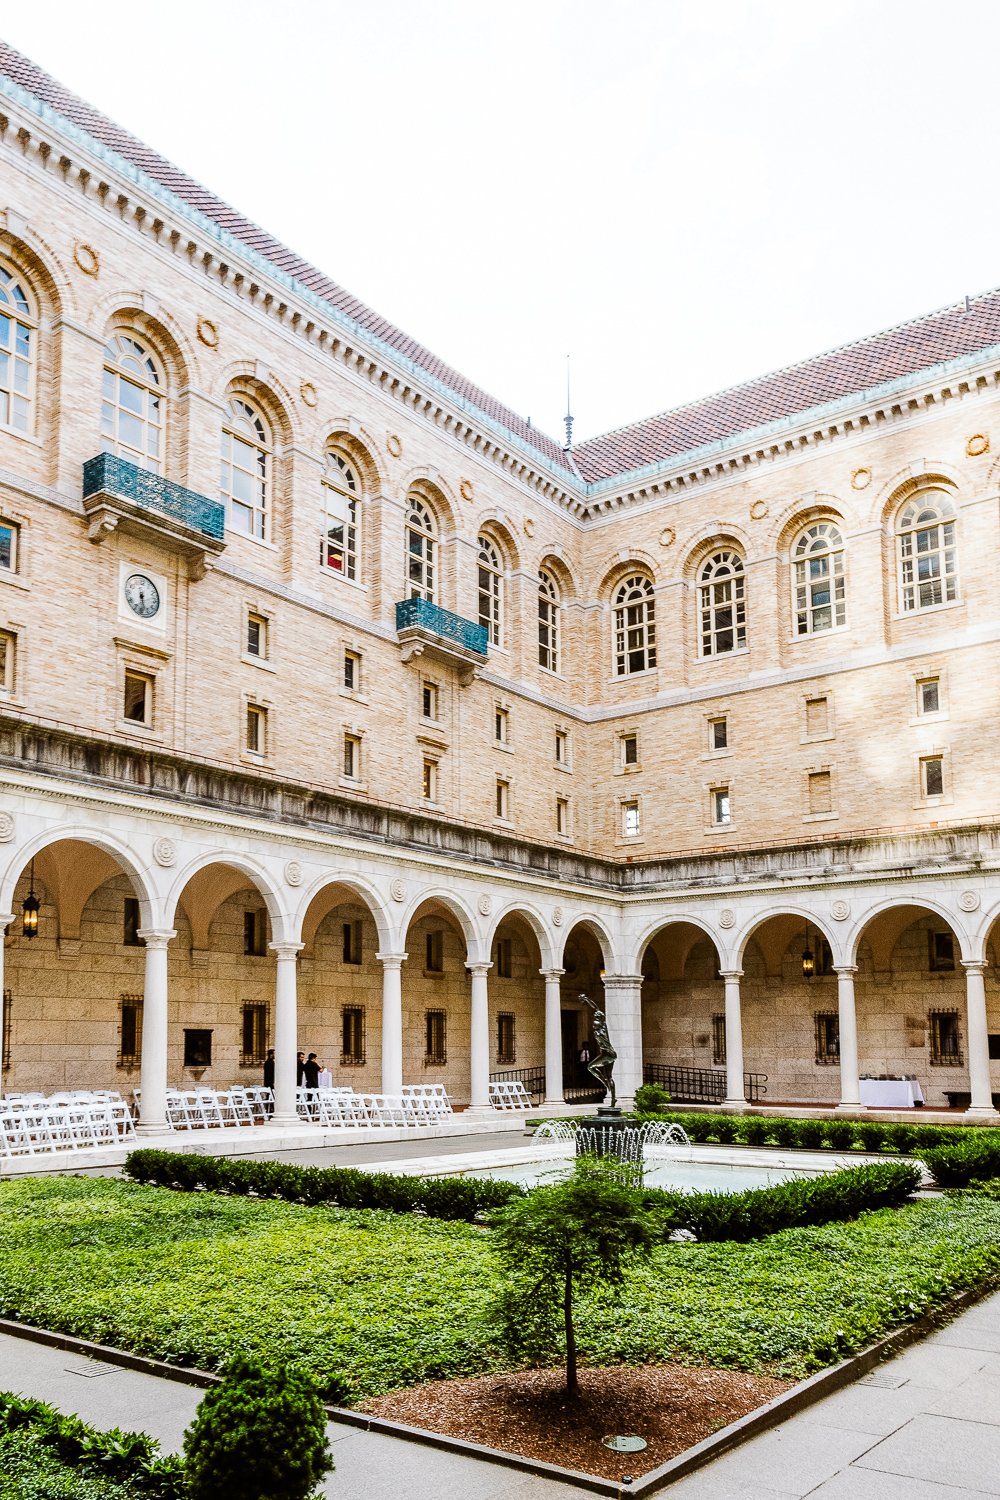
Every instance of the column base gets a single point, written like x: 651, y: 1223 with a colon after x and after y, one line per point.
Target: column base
x: 981, y: 1113
x: 734, y: 1106
x: 849, y: 1107
x: 288, y: 1122
x: 480, y: 1112
x: 153, y: 1127
x: 558, y: 1099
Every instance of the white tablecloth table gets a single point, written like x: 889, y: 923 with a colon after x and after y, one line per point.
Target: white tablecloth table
x: 326, y: 1079
x: 891, y: 1093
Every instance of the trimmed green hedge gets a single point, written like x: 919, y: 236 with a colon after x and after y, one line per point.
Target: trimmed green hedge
x: 976, y: 1160
x: 790, y: 1205
x: 129, y: 1458
x: 438, y: 1197
x: 814, y: 1135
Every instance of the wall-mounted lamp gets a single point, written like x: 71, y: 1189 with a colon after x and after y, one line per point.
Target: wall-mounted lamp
x: 29, y: 907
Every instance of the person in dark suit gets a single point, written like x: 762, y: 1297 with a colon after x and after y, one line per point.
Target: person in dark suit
x: 300, y: 1070
x: 269, y: 1069
x: 311, y: 1071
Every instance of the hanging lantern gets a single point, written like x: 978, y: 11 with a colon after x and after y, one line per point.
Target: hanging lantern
x: 29, y: 908
x: 808, y: 958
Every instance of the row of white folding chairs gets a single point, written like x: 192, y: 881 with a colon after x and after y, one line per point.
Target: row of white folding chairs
x: 108, y: 1112
x: 342, y: 1106
x: 216, y: 1109
x: 26, y: 1129
x: 509, y: 1095
x: 433, y: 1093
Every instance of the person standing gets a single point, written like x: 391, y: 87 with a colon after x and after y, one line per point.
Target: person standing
x: 269, y: 1069
x: 300, y: 1070
x: 311, y: 1071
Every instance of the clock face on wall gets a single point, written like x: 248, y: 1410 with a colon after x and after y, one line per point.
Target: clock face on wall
x: 142, y: 596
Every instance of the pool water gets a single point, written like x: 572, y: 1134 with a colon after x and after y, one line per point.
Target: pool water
x: 677, y: 1176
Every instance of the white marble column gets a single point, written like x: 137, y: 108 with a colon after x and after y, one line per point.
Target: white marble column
x: 5, y: 921
x: 553, y: 1036
x: 153, y: 1067
x: 392, y: 1022
x: 736, y: 1097
x: 623, y: 1007
x: 981, y: 1103
x: 479, y: 1093
x: 286, y: 1033
x: 847, y: 1024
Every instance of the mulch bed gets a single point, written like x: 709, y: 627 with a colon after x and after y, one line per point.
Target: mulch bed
x: 527, y: 1412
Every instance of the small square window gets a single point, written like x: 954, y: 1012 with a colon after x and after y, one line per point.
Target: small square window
x: 946, y: 1039
x: 429, y: 700
x: 820, y: 792
x: 8, y: 546
x: 501, y: 726
x: 629, y: 749
x: 256, y: 729
x: 352, y: 1052
x: 929, y: 695
x: 253, y: 1041
x: 503, y: 957
x: 137, y: 706
x: 940, y: 952
x: 430, y: 780
x: 257, y: 636
x: 434, y: 952
x: 721, y: 805
x: 352, y: 942
x: 817, y: 716
x: 352, y: 671
x: 630, y: 819
x: 718, y: 734
x: 932, y: 776
x: 503, y: 799
x: 352, y: 757
x: 562, y: 748
x: 197, y: 1048
x: 8, y: 660
x: 255, y: 933
x: 562, y: 815
x: 719, y: 1040
x: 506, y: 1050
x: 436, y: 1032
x: 130, y: 923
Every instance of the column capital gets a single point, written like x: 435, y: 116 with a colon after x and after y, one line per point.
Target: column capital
x: 973, y: 965
x: 286, y: 950
x: 5, y: 920
x: 731, y: 973
x: 392, y: 960
x: 479, y: 966
x: 552, y: 973
x: 156, y: 938
x: 845, y: 969
x: 622, y: 981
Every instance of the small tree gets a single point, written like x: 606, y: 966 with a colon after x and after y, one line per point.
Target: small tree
x: 260, y: 1435
x: 561, y: 1239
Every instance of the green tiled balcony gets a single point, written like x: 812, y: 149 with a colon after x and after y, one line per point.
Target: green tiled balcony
x: 422, y: 626
x: 118, y: 494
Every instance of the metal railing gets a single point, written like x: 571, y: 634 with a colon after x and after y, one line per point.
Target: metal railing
x: 421, y: 614
x: 107, y: 474
x: 533, y: 1080
x: 700, y: 1085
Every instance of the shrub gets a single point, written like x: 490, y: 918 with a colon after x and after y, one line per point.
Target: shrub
x: 439, y: 1197
x: 260, y: 1435
x: 838, y: 1135
x: 651, y: 1097
x: 975, y: 1160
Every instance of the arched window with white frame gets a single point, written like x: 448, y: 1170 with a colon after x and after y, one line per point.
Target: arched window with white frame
x: 722, y: 601
x: 819, y: 600
x: 18, y: 351
x: 549, y: 628
x: 928, y: 556
x: 491, y: 589
x: 132, y: 399
x: 635, y: 626
x: 339, y: 543
x: 421, y: 551
x: 245, y: 486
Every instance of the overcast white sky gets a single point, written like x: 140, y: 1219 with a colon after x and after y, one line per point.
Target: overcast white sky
x: 678, y: 195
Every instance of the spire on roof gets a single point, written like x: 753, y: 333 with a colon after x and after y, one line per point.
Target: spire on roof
x: 568, y: 418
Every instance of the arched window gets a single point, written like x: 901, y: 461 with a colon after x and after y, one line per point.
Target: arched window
x: 341, y: 492
x: 818, y: 582
x: 491, y: 589
x: 18, y: 325
x: 723, y: 604
x: 548, y: 622
x: 635, y: 626
x: 928, y: 559
x: 132, y: 402
x: 421, y: 551
x: 246, y: 468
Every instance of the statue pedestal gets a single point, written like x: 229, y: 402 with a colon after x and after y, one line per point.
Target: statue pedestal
x: 599, y: 1135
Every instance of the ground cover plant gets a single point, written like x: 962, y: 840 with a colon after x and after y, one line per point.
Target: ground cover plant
x: 46, y: 1454
x: 371, y: 1301
x: 29, y: 1470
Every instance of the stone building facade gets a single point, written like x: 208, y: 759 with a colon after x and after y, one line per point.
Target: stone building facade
x: 341, y: 709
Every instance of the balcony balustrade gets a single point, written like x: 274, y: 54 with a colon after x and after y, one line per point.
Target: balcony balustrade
x: 118, y: 495
x: 425, y: 627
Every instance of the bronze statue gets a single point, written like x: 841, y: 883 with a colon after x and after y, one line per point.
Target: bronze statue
x: 602, y: 1066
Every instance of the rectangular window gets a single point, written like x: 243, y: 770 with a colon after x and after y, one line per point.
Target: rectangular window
x: 506, y: 1051
x: 817, y: 716
x: 929, y: 695
x: 253, y: 1044
x: 503, y: 800
x: 946, y: 1039
x: 352, y: 671
x: 430, y: 780
x: 820, y: 792
x: 352, y: 942
x: 721, y: 806
x: 129, y: 1031
x: 256, y: 729
x: 630, y: 819
x: 434, y: 952
x: 8, y: 546
x: 562, y: 748
x: 197, y: 1048
x: 8, y: 1005
x: 940, y: 952
x: 932, y: 776
x: 436, y: 1044
x: 629, y: 749
x: 429, y: 707
x: 8, y: 660
x: 719, y: 1040
x: 827, y: 1038
x: 137, y: 707
x: 503, y: 957
x: 255, y: 933
x: 562, y: 815
x: 130, y: 923
x: 257, y: 636
x: 352, y: 757
x: 501, y: 726
x: 718, y: 734
x: 352, y: 1047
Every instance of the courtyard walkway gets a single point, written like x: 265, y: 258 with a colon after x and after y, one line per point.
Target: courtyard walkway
x: 925, y: 1426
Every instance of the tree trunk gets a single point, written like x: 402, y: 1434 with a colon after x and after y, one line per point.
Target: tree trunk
x: 571, y: 1385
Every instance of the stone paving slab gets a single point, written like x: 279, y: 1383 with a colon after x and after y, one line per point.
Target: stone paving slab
x: 945, y: 1450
